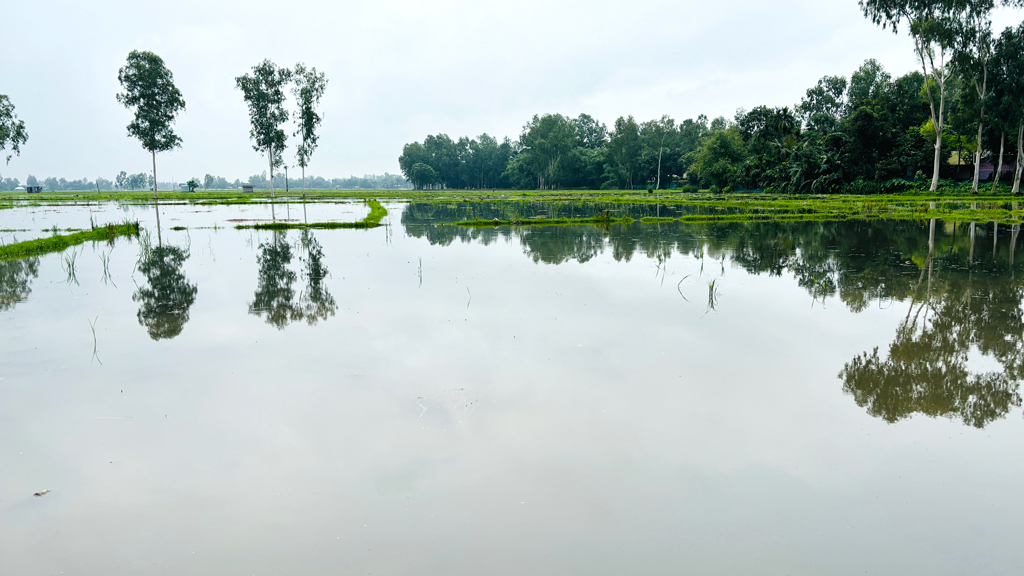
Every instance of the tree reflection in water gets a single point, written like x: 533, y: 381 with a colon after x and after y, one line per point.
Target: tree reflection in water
x: 315, y: 302
x: 167, y: 296
x: 16, y: 281
x: 964, y: 301
x: 966, y: 308
x: 275, y: 295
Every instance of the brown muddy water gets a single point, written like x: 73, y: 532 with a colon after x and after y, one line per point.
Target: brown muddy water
x: 801, y: 398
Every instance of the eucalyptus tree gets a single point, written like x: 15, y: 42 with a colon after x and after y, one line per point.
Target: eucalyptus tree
x: 263, y: 91
x: 545, y: 141
x: 932, y: 25
x: 308, y: 89
x: 12, y: 130
x: 148, y: 89
x: 625, y: 149
x: 653, y: 136
x: 972, y: 57
x: 1008, y: 94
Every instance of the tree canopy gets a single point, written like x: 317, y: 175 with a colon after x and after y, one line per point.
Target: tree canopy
x: 263, y: 91
x: 148, y: 89
x: 12, y: 130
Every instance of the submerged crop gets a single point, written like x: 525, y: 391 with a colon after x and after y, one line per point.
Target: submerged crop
x: 58, y: 242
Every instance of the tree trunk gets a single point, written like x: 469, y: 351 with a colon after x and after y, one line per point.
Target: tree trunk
x: 995, y: 239
x: 999, y: 168
x: 970, y: 258
x: 156, y: 201
x: 925, y: 55
x: 303, y: 183
x: 156, y: 198
x: 657, y: 186
x: 938, y: 160
x: 931, y: 251
x: 270, y: 157
x: 1020, y: 159
x: 977, y: 160
x: 1013, y: 242
x: 982, y: 91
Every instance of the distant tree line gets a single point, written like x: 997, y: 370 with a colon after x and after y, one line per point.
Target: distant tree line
x: 867, y: 133
x: 144, y: 181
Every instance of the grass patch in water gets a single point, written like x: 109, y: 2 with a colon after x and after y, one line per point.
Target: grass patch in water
x: 372, y: 220
x: 57, y: 242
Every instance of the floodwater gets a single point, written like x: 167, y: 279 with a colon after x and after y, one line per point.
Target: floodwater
x: 801, y: 398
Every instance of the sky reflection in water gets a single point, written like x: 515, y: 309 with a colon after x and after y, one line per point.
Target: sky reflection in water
x: 433, y: 399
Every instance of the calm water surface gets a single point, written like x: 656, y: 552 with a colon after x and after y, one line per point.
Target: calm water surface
x: 808, y: 398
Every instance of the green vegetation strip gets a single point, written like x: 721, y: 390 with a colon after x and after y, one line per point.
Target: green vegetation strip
x: 372, y: 220
x: 57, y: 242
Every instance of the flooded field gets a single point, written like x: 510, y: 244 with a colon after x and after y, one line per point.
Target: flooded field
x: 800, y: 398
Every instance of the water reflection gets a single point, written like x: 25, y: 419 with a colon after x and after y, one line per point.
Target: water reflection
x: 16, y: 281
x: 275, y: 297
x: 167, y: 296
x: 968, y: 307
x: 315, y: 302
x: 963, y: 300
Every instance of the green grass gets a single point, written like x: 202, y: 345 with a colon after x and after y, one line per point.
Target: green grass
x: 372, y: 220
x: 58, y: 243
x: 951, y: 202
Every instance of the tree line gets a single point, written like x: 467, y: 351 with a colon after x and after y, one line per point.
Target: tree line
x: 865, y: 133
x: 144, y: 181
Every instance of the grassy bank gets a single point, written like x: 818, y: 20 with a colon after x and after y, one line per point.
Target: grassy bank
x: 372, y: 220
x: 58, y: 242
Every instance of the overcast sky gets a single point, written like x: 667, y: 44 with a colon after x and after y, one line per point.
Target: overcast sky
x: 402, y: 69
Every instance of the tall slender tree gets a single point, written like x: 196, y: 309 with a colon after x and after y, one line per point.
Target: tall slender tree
x: 308, y: 89
x: 972, y: 57
x: 148, y: 89
x: 1008, y: 93
x: 932, y: 25
x: 12, y: 130
x: 263, y: 91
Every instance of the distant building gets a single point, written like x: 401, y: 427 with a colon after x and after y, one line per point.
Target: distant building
x: 247, y: 188
x: 33, y: 189
x: 987, y: 170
